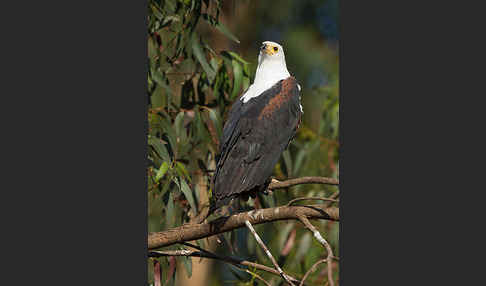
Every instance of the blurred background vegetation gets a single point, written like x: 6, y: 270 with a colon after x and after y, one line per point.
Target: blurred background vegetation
x: 202, y: 55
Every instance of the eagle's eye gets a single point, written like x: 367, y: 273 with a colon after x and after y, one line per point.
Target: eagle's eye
x: 275, y: 48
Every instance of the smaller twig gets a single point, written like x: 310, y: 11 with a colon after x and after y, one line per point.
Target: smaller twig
x: 333, y: 196
x: 321, y: 240
x: 206, y: 254
x: 203, y: 214
x: 181, y: 252
x: 312, y: 269
x: 275, y: 184
x: 264, y: 247
x: 312, y: 198
x: 258, y: 277
x: 196, y: 247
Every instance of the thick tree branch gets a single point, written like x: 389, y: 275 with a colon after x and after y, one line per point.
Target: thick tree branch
x: 190, y: 232
x: 303, y: 180
x: 275, y: 184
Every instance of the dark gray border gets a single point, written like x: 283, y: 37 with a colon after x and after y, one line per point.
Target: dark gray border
x: 78, y: 171
x: 405, y: 78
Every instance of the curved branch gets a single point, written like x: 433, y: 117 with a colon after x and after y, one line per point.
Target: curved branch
x: 324, y: 242
x: 312, y: 269
x: 333, y: 196
x: 269, y: 254
x: 229, y: 259
x: 311, y: 198
x: 258, y: 277
x: 275, y: 184
x: 190, y: 232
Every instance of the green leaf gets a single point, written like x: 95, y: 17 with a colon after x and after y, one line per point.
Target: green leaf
x: 236, y: 56
x: 187, y: 264
x: 288, y: 162
x: 159, y: 148
x: 217, y: 85
x: 156, y: 12
x: 167, y: 20
x: 182, y: 170
x: 165, y: 188
x: 246, y: 83
x: 160, y: 78
x: 223, y: 29
x: 161, y: 172
x: 214, y: 64
x: 167, y: 129
x: 188, y: 194
x: 169, y: 213
x: 227, y: 58
x: 152, y: 48
x: 216, y: 121
x: 201, y: 131
x: 299, y: 159
x: 170, y: 5
x: 201, y: 57
x: 178, y: 123
x: 158, y: 98
x: 238, y: 78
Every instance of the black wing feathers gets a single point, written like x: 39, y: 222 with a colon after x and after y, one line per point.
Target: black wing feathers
x: 254, y: 136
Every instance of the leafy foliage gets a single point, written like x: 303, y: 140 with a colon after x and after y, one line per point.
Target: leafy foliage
x: 190, y: 88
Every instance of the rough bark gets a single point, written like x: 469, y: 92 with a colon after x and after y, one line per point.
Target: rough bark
x: 190, y: 232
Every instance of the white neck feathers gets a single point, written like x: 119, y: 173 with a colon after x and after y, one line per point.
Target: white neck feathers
x: 270, y: 70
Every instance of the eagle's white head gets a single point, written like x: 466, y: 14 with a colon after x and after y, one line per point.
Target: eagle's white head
x: 271, y: 52
x: 271, y: 69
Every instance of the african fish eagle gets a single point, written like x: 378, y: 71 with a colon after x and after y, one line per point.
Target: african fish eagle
x: 260, y: 126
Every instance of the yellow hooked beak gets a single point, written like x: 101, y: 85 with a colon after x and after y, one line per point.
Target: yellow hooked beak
x: 269, y: 49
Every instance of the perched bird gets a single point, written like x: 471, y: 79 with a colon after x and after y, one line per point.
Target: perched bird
x: 260, y: 126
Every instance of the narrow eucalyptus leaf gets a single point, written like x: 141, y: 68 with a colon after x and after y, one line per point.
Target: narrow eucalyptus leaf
x: 169, y: 213
x: 223, y: 29
x: 188, y: 194
x: 246, y: 83
x: 214, y: 64
x: 213, y: 115
x: 183, y: 170
x: 159, y: 148
x: 201, y: 57
x: 178, y: 123
x: 160, y: 78
x: 288, y: 162
x: 187, y: 261
x: 161, y: 172
x: 299, y: 159
x: 237, y: 57
x: 238, y: 78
